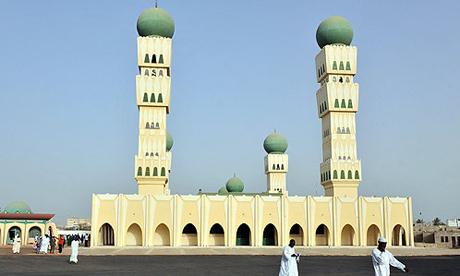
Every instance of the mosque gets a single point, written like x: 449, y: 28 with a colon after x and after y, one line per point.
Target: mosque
x: 231, y: 217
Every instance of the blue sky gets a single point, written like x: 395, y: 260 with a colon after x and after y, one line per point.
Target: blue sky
x: 240, y: 70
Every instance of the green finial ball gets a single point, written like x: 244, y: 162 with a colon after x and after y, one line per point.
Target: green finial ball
x: 234, y: 185
x: 334, y: 30
x: 275, y: 143
x: 222, y: 191
x: 155, y: 22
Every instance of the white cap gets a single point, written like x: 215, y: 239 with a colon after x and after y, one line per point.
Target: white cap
x: 382, y: 240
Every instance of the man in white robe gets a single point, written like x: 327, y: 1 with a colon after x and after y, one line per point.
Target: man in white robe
x: 74, y: 255
x: 289, y: 261
x: 44, y: 245
x: 382, y: 259
x: 16, y: 244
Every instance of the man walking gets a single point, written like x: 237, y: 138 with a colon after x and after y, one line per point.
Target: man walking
x: 289, y: 261
x: 382, y: 259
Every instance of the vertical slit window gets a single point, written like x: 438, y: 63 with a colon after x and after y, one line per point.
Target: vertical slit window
x: 146, y: 98
x: 163, y: 171
x: 154, y: 58
x: 336, y: 103
x: 155, y: 171
x: 139, y: 171
x: 160, y: 98
x: 152, y: 98
x: 356, y: 175
x: 160, y: 59
x: 335, y: 174
x: 348, y: 66
x: 147, y: 171
x: 342, y: 174
x: 350, y: 104
x: 350, y: 175
x: 341, y: 66
x: 334, y: 65
x: 146, y: 59
x: 343, y: 105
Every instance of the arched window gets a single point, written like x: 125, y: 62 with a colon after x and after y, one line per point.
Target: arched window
x: 343, y: 105
x: 343, y: 130
x: 339, y: 131
x: 342, y: 174
x: 139, y: 171
x: 350, y: 175
x: 335, y: 174
x: 106, y: 235
x: 348, y: 66
x: 155, y: 171
x: 270, y: 235
x: 334, y: 65
x: 160, y: 59
x: 146, y: 98
x: 348, y: 130
x: 147, y: 72
x: 321, y: 108
x: 350, y: 104
x: 146, y: 154
x: 152, y: 98
x: 163, y: 171
x: 157, y: 125
x: 356, y: 174
x: 151, y: 154
x: 274, y: 167
x: 160, y: 73
x: 243, y: 235
x: 154, y: 58
x: 147, y: 171
x: 146, y: 59
x: 282, y: 166
x: 147, y: 125
x: 336, y: 103
x: 160, y: 98
x: 341, y: 66
x: 278, y: 166
x: 325, y: 105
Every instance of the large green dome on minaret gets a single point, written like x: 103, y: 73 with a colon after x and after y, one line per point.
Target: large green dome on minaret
x: 169, y: 141
x: 234, y: 185
x: 275, y: 143
x: 334, y: 30
x: 155, y: 22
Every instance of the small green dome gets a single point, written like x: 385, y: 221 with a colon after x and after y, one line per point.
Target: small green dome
x: 17, y: 207
x: 169, y: 141
x: 222, y: 191
x: 275, y: 143
x: 155, y: 22
x: 334, y: 30
x: 234, y: 185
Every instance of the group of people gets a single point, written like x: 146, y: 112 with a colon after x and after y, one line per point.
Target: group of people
x: 382, y: 259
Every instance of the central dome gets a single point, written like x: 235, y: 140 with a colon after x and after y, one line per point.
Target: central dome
x: 155, y: 22
x: 234, y: 185
x: 17, y: 207
x: 334, y: 30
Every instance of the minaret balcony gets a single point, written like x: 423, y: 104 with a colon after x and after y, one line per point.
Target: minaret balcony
x: 337, y: 60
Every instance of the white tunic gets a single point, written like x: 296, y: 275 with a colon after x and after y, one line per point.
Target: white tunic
x: 288, y: 263
x: 16, y: 245
x: 383, y: 260
x: 44, y: 245
x: 74, y: 255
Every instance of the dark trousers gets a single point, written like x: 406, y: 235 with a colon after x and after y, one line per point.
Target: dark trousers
x: 60, y: 248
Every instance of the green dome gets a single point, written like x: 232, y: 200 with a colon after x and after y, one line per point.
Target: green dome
x: 275, y: 143
x: 169, y: 141
x: 155, y: 22
x: 17, y: 207
x: 334, y: 30
x: 234, y: 185
x: 222, y: 191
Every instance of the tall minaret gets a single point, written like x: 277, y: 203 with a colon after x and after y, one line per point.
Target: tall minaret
x: 153, y: 86
x: 337, y: 101
x: 276, y: 163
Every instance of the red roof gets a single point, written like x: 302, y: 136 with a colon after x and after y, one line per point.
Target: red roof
x: 27, y: 216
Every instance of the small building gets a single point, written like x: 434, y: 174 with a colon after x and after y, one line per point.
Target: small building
x: 74, y: 223
x: 18, y: 219
x: 437, y: 235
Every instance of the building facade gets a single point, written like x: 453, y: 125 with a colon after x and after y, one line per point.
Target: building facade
x: 231, y: 217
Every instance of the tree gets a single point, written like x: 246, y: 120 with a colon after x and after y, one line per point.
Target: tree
x: 419, y: 221
x: 437, y: 221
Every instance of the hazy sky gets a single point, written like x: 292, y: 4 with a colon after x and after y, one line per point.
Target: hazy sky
x: 240, y: 69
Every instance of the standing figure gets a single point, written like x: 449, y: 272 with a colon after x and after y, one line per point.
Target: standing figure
x: 289, y: 261
x: 74, y: 256
x: 382, y: 259
x: 45, y: 244
x: 61, y: 243
x: 16, y: 244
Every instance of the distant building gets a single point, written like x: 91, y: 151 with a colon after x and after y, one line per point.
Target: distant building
x: 453, y: 222
x: 18, y: 219
x: 74, y: 223
x: 436, y: 235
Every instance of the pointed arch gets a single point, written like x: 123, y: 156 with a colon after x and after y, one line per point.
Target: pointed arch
x: 342, y: 174
x: 152, y: 98
x: 343, y: 105
x: 356, y: 174
x: 348, y: 236
x: 189, y: 235
x: 147, y: 125
x: 155, y: 171
x: 274, y: 167
x: 216, y: 235
x: 139, y: 171
x: 336, y: 103
x: 350, y: 175
x: 282, y: 166
x: 162, y: 236
x: 154, y: 58
x: 334, y: 65
x: 160, y: 98
x: 147, y: 171
x: 146, y: 98
x: 163, y: 171
x: 398, y: 236
x: 243, y: 235
x: 270, y: 235
x: 322, y: 235
x: 106, y: 235
x: 373, y: 233
x: 160, y: 73
x: 335, y: 174
x: 341, y: 66
x: 147, y: 58
x: 134, y: 235
x: 350, y: 103
x: 157, y: 125
x: 296, y: 233
x: 348, y: 67
x: 160, y: 59
x: 34, y: 231
x: 147, y: 73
